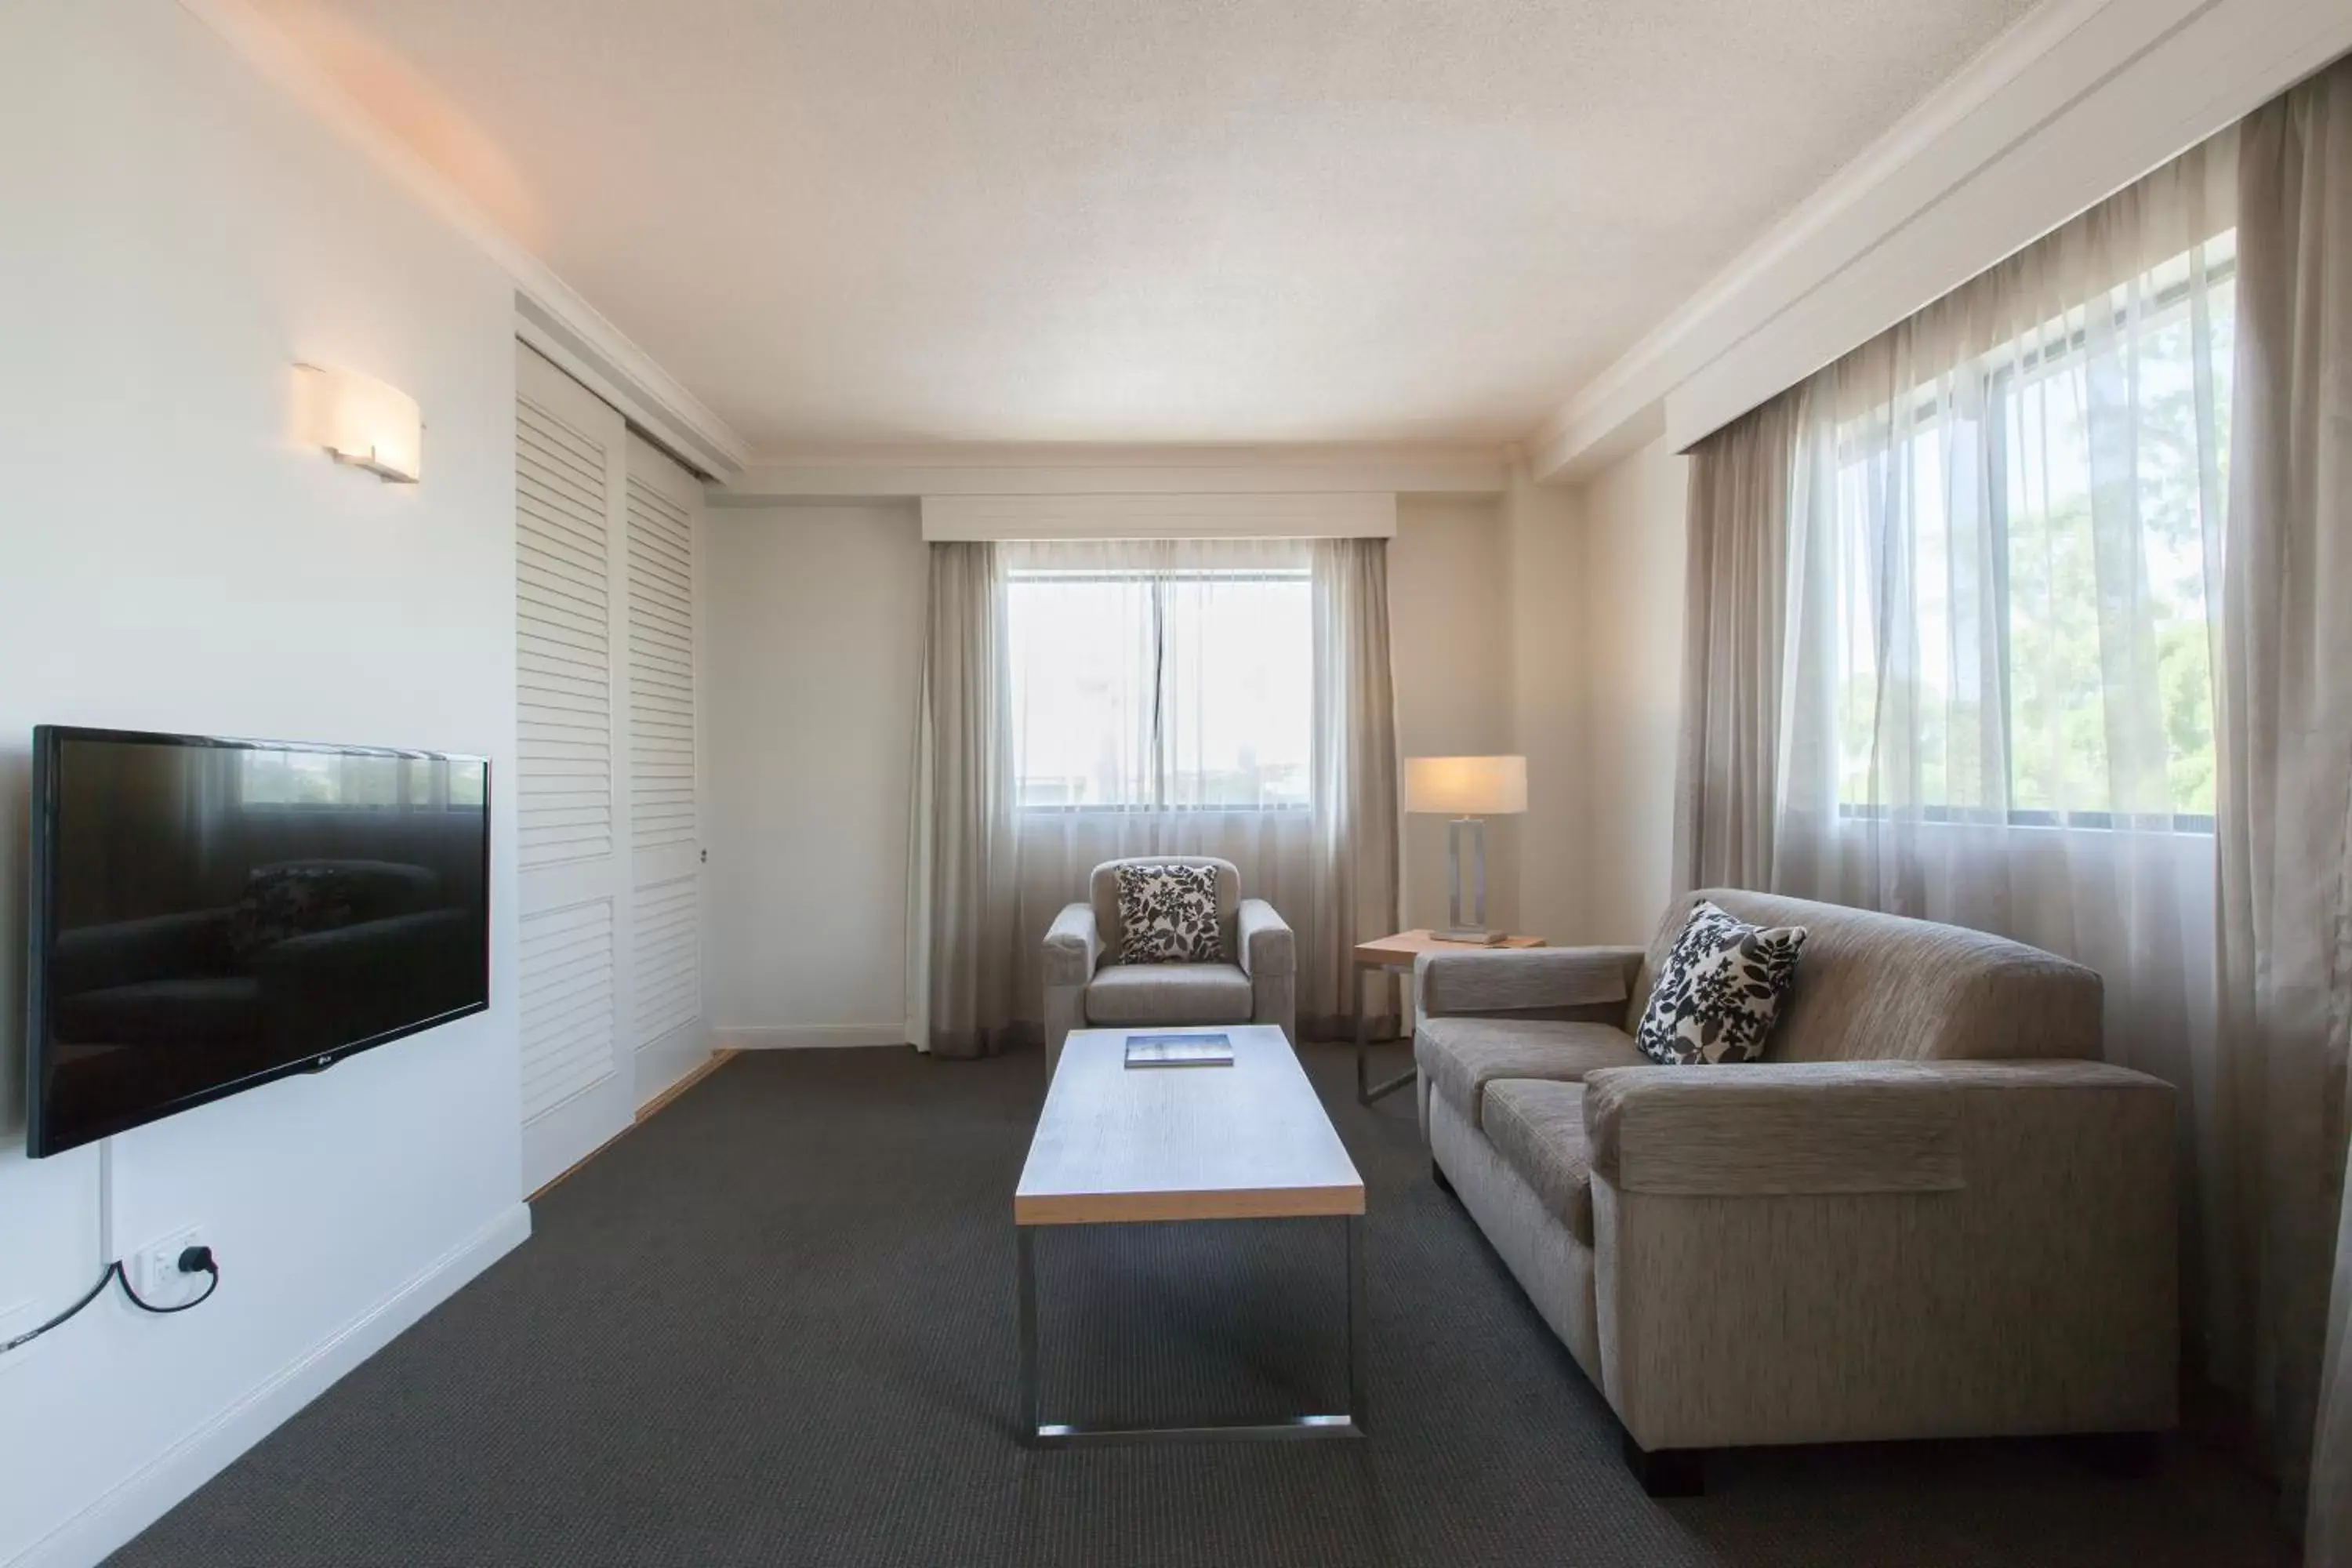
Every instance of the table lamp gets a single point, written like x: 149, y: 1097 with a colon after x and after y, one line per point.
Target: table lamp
x: 1468, y: 790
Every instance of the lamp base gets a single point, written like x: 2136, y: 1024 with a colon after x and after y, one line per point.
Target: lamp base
x: 1472, y: 936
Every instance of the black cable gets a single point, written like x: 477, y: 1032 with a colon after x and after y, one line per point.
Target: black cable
x: 193, y: 1260
x: 29, y: 1335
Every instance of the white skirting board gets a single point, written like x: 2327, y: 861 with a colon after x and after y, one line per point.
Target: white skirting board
x: 145, y: 1497
x: 668, y: 1061
x: 802, y: 1036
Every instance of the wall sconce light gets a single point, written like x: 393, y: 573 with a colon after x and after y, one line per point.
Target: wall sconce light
x: 363, y: 421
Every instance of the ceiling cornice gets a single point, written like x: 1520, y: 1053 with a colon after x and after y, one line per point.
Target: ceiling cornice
x: 551, y: 315
x: 818, y: 476
x: 2078, y: 99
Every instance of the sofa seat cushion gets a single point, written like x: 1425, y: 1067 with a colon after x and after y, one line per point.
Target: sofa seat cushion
x: 1537, y: 1126
x: 1169, y: 994
x: 1460, y: 1054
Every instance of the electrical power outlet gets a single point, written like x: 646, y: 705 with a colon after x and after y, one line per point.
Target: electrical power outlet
x: 155, y: 1274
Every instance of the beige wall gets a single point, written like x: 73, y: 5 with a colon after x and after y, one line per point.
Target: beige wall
x: 815, y: 654
x: 1545, y: 621
x: 1542, y: 568
x: 1630, y: 659
x: 815, y: 648
x: 1450, y: 645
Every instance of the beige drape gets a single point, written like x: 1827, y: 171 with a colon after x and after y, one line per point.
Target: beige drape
x: 2247, y: 1008
x: 1734, y: 598
x: 2284, y: 732
x: 1155, y: 648
x: 964, y: 807
x: 1353, y: 893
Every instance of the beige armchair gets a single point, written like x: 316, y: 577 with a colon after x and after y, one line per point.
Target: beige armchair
x: 1087, y: 987
x: 1931, y: 1212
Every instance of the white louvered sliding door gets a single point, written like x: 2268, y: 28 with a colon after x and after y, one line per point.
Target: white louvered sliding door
x: 665, y: 525
x: 572, y: 792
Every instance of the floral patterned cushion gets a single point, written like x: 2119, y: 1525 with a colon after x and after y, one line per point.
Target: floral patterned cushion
x: 1168, y: 914
x: 1720, y: 989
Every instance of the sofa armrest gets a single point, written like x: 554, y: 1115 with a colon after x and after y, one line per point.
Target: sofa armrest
x: 1269, y: 949
x: 1763, y: 1129
x: 1503, y: 980
x: 159, y: 947
x: 1073, y: 946
x: 1841, y: 1251
x: 1755, y: 1129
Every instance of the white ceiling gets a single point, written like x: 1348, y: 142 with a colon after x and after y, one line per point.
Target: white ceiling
x: 1188, y: 221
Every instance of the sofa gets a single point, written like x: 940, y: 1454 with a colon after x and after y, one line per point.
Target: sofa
x: 1257, y: 984
x: 312, y: 955
x: 1930, y: 1210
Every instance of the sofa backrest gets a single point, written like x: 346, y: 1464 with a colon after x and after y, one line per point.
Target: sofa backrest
x: 1102, y: 891
x: 375, y: 889
x: 1875, y: 987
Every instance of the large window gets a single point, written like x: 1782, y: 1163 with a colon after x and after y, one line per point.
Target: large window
x: 341, y: 780
x: 2022, y: 568
x: 1161, y: 676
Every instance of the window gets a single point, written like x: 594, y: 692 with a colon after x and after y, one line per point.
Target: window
x: 1161, y: 676
x: 336, y: 780
x: 2022, y: 569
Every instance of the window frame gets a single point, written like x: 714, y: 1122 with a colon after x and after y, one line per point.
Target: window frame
x: 2000, y: 384
x: 1159, y: 579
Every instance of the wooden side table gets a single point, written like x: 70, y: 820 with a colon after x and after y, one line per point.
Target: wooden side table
x: 1397, y: 953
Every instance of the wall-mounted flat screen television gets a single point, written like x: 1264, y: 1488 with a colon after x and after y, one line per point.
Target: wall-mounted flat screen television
x: 209, y: 914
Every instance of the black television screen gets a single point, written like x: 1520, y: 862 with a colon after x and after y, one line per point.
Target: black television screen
x: 209, y: 914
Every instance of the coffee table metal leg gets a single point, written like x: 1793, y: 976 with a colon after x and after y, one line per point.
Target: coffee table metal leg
x: 1059, y: 1434
x: 1368, y: 1091
x: 1028, y: 1269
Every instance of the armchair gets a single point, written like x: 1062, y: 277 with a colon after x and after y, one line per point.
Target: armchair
x: 1087, y: 986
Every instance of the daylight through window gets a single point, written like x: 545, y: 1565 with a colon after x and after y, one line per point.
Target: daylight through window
x: 1160, y: 687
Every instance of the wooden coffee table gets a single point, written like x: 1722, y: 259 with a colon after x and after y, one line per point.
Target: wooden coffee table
x: 1398, y: 951
x: 1121, y: 1145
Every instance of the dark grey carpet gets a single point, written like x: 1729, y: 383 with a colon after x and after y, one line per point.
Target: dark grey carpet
x: 774, y: 1325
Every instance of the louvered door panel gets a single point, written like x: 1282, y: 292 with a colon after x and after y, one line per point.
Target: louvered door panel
x: 663, y: 809
x: 569, y: 983
x: 572, y: 799
x: 665, y: 837
x: 667, y: 947
x: 563, y: 708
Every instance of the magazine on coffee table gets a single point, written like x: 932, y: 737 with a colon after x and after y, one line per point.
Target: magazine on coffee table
x: 1179, y: 1050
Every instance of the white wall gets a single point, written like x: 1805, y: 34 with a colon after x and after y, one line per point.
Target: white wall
x: 1630, y: 658
x: 815, y: 640
x: 177, y: 233
x: 1450, y: 647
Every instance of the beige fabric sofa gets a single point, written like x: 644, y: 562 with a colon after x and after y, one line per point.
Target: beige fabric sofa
x: 1931, y: 1212
x: 1083, y: 991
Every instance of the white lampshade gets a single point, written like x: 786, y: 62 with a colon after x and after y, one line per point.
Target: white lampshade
x: 361, y: 421
x: 1466, y: 787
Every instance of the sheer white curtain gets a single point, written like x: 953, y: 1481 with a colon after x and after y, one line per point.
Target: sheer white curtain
x: 1162, y: 704
x: 1203, y: 697
x: 2004, y: 540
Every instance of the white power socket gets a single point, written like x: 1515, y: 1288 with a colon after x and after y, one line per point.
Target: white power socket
x: 154, y: 1270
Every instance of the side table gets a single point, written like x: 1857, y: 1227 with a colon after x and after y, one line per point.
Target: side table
x: 1397, y: 953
